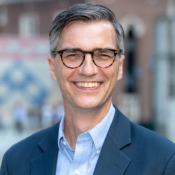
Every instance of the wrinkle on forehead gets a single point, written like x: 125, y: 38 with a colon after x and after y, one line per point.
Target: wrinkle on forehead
x: 88, y: 35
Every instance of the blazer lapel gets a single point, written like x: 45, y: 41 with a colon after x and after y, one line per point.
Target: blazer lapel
x: 45, y: 164
x: 112, y: 160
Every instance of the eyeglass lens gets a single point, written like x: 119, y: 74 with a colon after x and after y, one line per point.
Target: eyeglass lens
x: 102, y: 58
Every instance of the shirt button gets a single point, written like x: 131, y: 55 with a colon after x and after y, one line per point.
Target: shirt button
x: 98, y: 152
x: 64, y: 143
x: 77, y: 172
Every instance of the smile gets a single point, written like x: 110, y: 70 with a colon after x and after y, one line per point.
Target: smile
x: 88, y: 85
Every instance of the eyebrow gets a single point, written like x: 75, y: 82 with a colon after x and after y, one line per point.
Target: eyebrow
x: 76, y: 48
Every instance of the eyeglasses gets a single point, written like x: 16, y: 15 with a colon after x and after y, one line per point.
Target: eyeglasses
x: 73, y: 58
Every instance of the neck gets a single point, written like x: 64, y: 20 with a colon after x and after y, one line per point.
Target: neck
x: 78, y: 121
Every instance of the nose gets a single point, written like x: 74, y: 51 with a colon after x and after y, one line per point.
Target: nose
x: 88, y: 68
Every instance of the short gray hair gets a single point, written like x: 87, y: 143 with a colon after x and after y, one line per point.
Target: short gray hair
x: 87, y: 13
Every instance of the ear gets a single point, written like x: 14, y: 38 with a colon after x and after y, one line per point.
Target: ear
x: 120, y: 74
x: 51, y: 65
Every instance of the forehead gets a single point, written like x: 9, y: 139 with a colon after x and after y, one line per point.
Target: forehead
x: 88, y: 35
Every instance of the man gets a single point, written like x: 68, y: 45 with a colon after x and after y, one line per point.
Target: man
x: 93, y: 137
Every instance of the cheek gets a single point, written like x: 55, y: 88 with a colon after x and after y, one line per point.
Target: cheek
x: 113, y: 73
x: 111, y: 76
x: 114, y: 76
x: 61, y: 78
x: 64, y: 76
x: 59, y: 73
x: 60, y: 70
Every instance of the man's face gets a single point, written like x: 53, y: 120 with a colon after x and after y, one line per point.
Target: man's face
x: 87, y: 37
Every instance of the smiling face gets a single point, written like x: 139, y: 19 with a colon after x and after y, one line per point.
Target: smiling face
x: 87, y: 86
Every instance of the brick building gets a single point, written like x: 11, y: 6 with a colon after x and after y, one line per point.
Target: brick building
x: 135, y: 93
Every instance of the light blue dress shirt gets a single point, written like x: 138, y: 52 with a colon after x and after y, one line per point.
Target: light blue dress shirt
x: 83, y: 160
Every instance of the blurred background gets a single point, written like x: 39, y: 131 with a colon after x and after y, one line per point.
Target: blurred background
x: 30, y: 100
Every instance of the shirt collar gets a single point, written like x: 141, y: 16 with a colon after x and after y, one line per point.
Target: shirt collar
x: 61, y: 133
x: 97, y: 133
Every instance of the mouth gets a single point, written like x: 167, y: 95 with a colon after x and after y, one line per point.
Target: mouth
x: 88, y: 85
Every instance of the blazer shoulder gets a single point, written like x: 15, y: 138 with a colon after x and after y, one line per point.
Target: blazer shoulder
x: 31, y: 143
x: 139, y: 138
x: 20, y: 155
x: 151, y: 139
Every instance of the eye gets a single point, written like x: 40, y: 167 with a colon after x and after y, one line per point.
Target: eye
x: 72, y: 54
x: 104, y: 55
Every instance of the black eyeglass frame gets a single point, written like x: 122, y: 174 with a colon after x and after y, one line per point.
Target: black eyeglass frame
x: 60, y: 52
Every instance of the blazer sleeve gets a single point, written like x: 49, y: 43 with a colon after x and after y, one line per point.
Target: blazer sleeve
x: 170, y: 167
x: 4, y: 170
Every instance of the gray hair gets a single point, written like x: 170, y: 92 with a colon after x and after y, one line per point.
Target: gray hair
x: 87, y: 13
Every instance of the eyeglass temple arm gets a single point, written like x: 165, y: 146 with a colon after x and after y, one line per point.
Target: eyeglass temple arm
x: 57, y: 52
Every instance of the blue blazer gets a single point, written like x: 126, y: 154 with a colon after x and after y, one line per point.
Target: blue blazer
x: 129, y: 149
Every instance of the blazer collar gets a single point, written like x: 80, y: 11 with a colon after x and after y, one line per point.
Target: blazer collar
x: 50, y: 138
x: 120, y: 130
x: 45, y: 163
x: 112, y: 160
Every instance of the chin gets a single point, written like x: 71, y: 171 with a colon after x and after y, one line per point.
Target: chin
x: 87, y: 104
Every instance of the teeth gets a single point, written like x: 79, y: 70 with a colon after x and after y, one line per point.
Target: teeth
x: 88, y: 84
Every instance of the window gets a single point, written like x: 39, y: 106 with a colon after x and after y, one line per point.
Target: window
x: 3, y: 17
x: 29, y: 24
x: 131, y: 60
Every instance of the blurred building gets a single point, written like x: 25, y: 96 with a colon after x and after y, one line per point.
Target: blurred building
x: 146, y: 94
x: 24, y: 47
